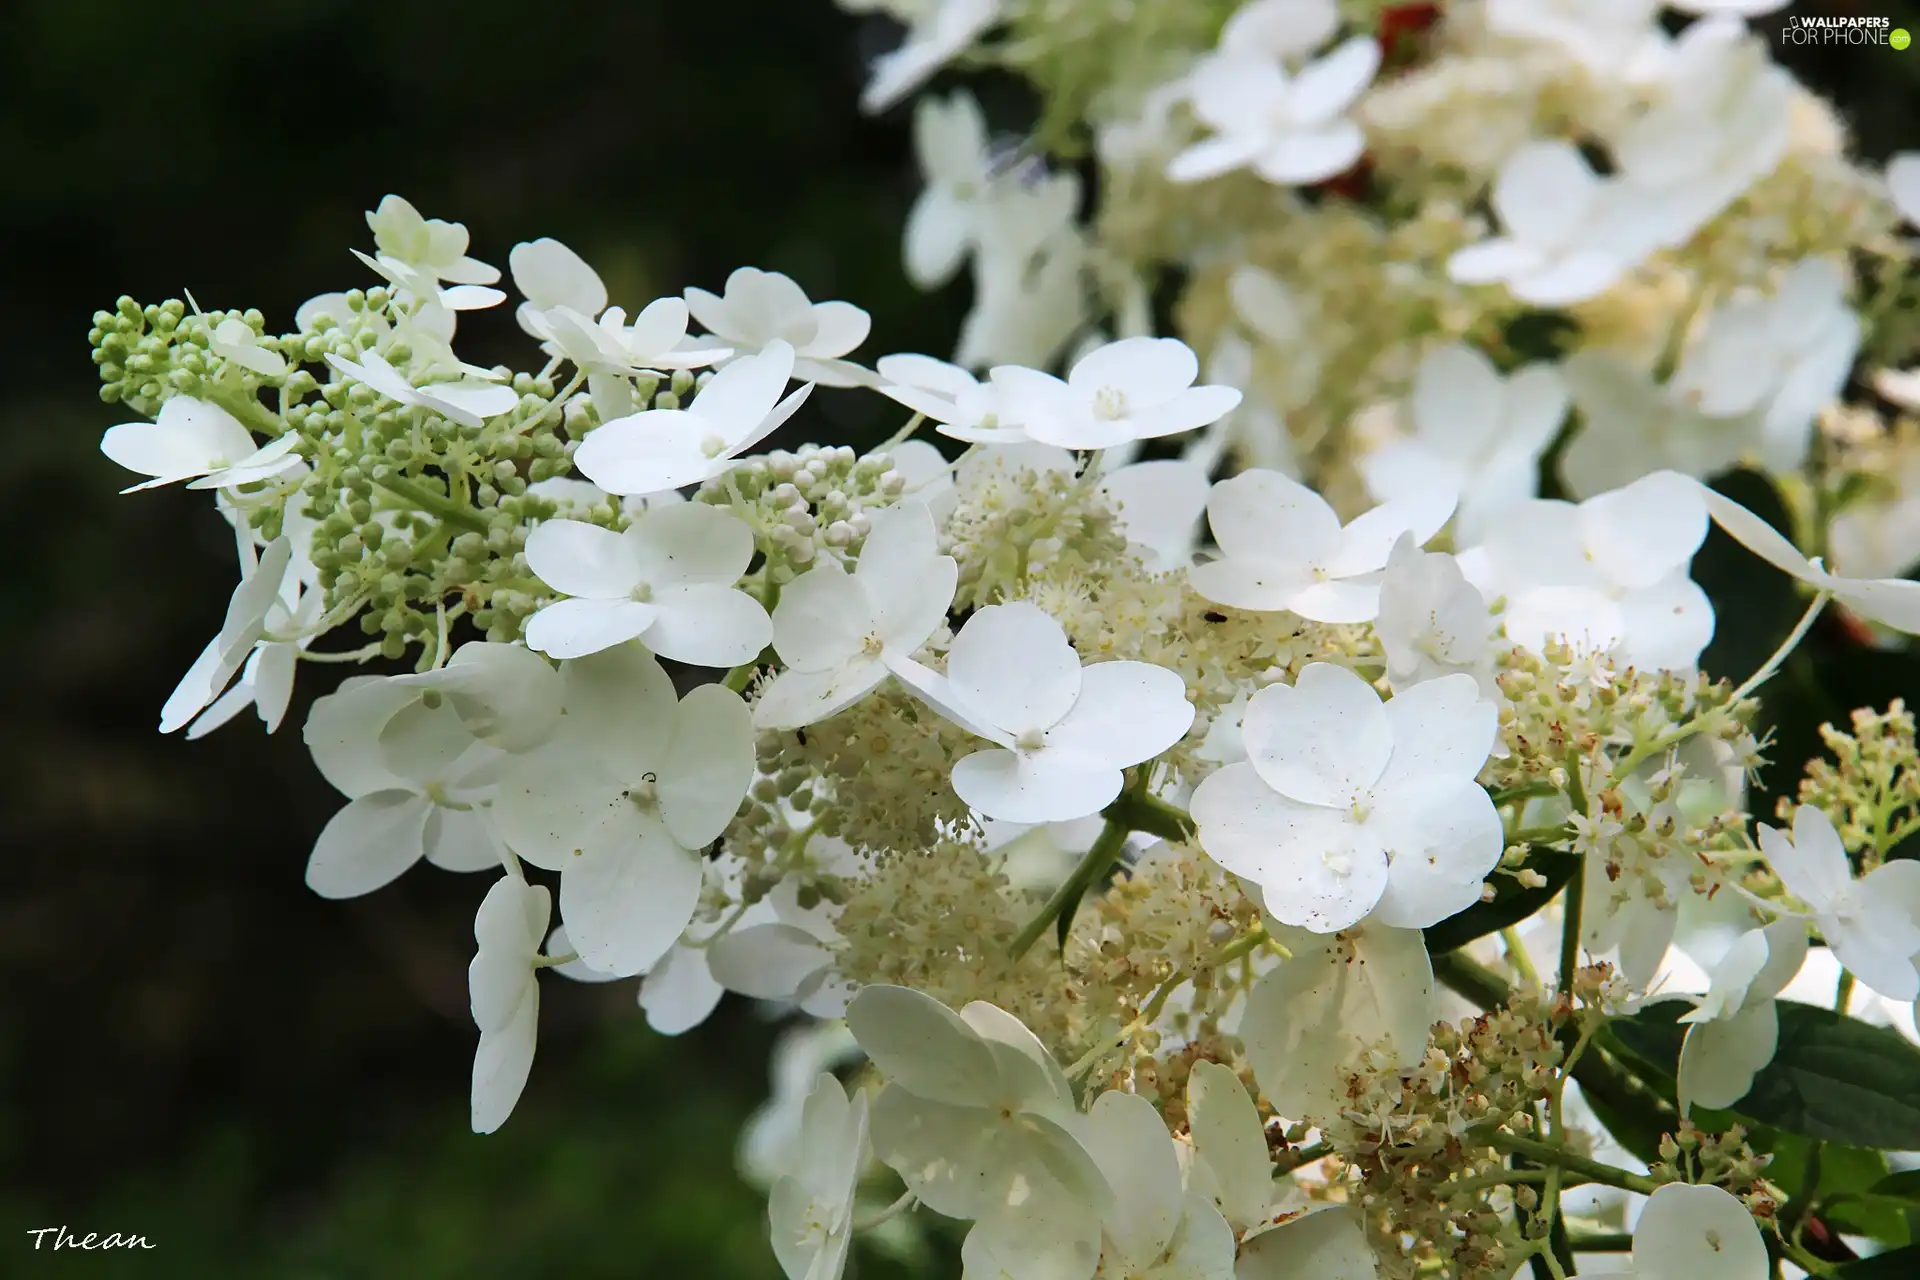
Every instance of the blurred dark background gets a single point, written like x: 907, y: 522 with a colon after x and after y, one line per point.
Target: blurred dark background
x: 192, y: 1046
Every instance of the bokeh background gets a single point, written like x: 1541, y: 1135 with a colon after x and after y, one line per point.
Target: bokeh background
x: 193, y: 1047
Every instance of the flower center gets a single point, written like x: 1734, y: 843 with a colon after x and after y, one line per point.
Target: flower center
x: 713, y: 445
x: 642, y: 593
x: 645, y: 794
x: 1109, y: 404
x: 1031, y: 739
x: 871, y: 646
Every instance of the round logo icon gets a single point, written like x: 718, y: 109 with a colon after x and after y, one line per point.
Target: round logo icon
x: 1899, y: 38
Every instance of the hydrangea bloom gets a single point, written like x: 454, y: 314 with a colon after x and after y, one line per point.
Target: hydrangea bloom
x: 1873, y: 923
x: 1133, y: 389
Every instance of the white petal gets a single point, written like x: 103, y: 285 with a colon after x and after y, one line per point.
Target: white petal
x: 679, y: 992
x: 549, y: 274
x: 646, y: 452
x: 1327, y: 1243
x: 625, y: 905
x: 1813, y: 864
x: 766, y: 961
x: 1230, y: 1139
x: 1328, y: 86
x: 1130, y: 1143
x: 709, y: 766
x: 1441, y: 729
x: 1265, y: 516
x: 577, y: 628
x: 368, y: 844
x: 502, y: 1064
x: 1690, y: 1232
x: 1442, y: 836
x: 744, y: 393
x: 1039, y: 786
x: 1127, y: 712
x: 343, y: 728
x: 796, y: 699
x: 921, y: 1046
x: 1013, y: 665
x: 1719, y: 1058
x: 579, y: 559
x: 1320, y: 740
x: 689, y: 543
x: 1315, y: 868
x: 822, y: 619
x: 907, y: 582
x: 707, y: 625
x: 1638, y: 535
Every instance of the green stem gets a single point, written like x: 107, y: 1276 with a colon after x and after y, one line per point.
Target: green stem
x: 1602, y: 1242
x: 1787, y: 646
x: 1302, y: 1157
x: 1094, y: 864
x: 1843, y: 991
x: 1553, y: 1156
x: 1142, y: 811
x: 1525, y: 791
x: 433, y: 504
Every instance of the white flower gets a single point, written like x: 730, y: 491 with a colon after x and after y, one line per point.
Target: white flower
x: 1133, y: 389
x: 1569, y: 234
x: 1782, y: 360
x: 610, y: 351
x: 763, y: 309
x: 1158, y: 507
x: 788, y: 959
x: 1155, y: 1229
x: 417, y: 780
x: 1891, y: 602
x: 426, y: 244
x: 1724, y: 123
x: 1733, y: 1029
x: 622, y: 799
x: 840, y: 633
x: 469, y: 403
x: 964, y: 407
x: 1475, y: 433
x: 1872, y: 924
x: 1311, y: 1018
x: 199, y: 441
x: 505, y: 995
x: 938, y: 31
x: 417, y: 286
x: 1432, y: 621
x: 1291, y: 129
x: 1632, y: 426
x: 658, y: 449
x: 811, y: 1208
x: 266, y: 680
x: 1347, y: 807
x: 979, y: 1122
x: 1690, y: 1232
x: 234, y: 339
x: 950, y: 138
x: 1029, y: 269
x: 246, y: 622
x: 668, y: 581
x: 550, y: 275
x: 1282, y: 547
x: 1610, y: 572
x: 1065, y: 733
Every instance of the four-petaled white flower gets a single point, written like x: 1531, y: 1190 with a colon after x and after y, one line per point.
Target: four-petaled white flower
x: 1347, y: 807
x: 1611, y: 571
x: 418, y: 782
x: 840, y: 633
x: 658, y: 449
x: 1282, y: 547
x: 668, y: 581
x: 1065, y: 732
x: 1290, y: 128
x: 938, y: 31
x: 1891, y: 602
x: 1733, y: 1029
x: 469, y: 402
x: 760, y: 310
x: 1133, y: 389
x: 811, y: 1206
x: 426, y: 244
x: 1689, y: 1232
x: 505, y: 994
x: 622, y: 799
x: 1432, y: 621
x: 964, y: 407
x: 1871, y: 924
x: 1475, y: 433
x: 196, y: 440
x: 980, y: 1123
x: 1569, y: 235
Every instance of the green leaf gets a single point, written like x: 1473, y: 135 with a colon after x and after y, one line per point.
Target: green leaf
x: 1833, y: 1077
x: 1847, y: 1193
x: 1512, y: 902
x: 1895, y: 1264
x: 1899, y: 1186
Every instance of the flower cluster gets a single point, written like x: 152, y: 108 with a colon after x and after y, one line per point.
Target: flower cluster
x: 1137, y: 774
